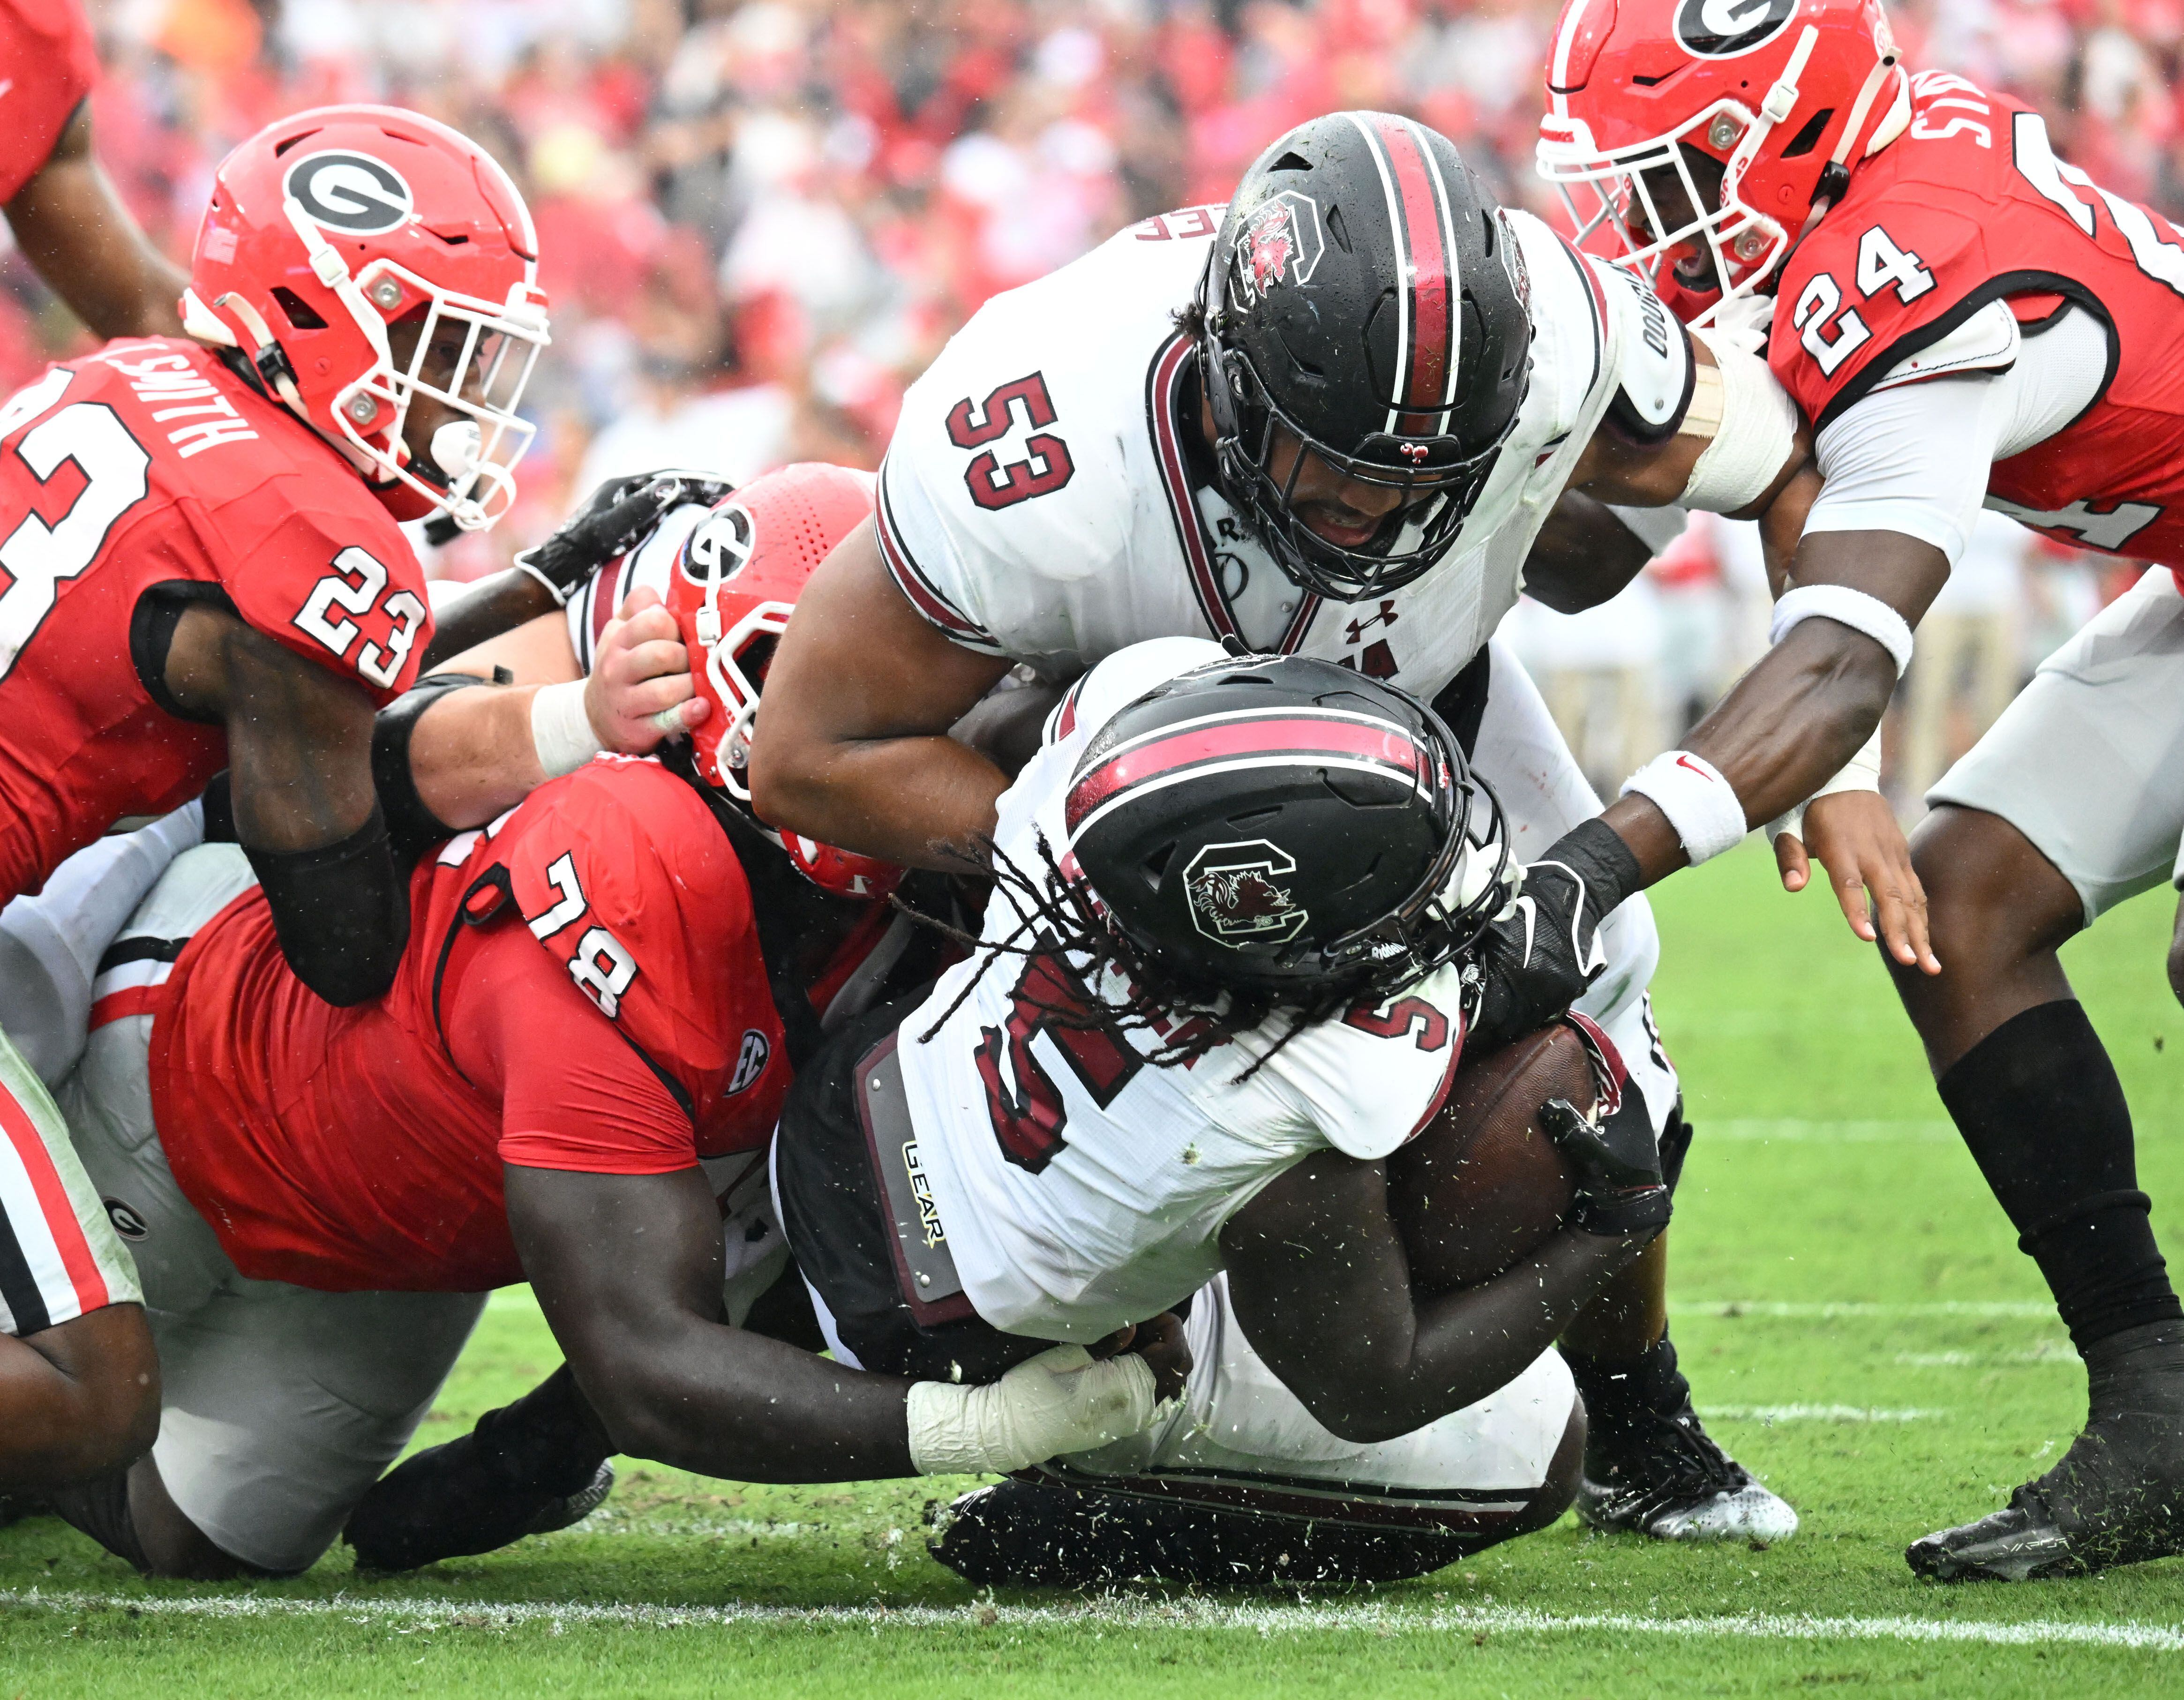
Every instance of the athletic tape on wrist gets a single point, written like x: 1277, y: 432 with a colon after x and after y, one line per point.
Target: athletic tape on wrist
x: 1846, y: 607
x: 1655, y: 528
x: 561, y: 728
x: 1862, y: 772
x: 1757, y: 434
x: 1700, y: 803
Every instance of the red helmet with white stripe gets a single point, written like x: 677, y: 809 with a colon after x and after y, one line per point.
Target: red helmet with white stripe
x: 733, y: 586
x: 1364, y: 304
x: 366, y: 259
x: 1648, y: 101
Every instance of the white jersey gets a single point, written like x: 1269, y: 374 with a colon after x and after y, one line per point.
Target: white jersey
x: 1079, y: 1189
x: 650, y: 565
x: 1036, y: 500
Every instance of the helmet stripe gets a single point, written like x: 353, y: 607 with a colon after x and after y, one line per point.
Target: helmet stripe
x: 1308, y: 737
x: 1423, y: 386
x: 1377, y: 149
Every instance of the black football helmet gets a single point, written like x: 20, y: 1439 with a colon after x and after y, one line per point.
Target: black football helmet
x: 1276, y: 822
x: 1366, y: 296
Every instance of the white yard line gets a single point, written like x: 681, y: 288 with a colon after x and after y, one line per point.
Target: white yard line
x: 1823, y: 1414
x: 1120, y: 1611
x: 2039, y: 1308
x: 1832, y: 1133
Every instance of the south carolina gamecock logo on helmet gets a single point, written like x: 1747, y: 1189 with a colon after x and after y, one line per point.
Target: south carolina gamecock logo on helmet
x: 1281, y: 243
x: 1235, y: 899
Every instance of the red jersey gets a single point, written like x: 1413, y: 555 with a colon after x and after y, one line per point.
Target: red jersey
x: 149, y: 465
x: 1970, y: 205
x: 583, y: 990
x: 48, y: 64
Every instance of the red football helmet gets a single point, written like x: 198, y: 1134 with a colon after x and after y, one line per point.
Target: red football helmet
x: 735, y: 582
x: 1787, y: 95
x: 329, y: 228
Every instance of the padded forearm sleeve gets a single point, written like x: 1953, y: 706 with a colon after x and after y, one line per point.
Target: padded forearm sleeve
x: 412, y: 827
x: 341, y: 913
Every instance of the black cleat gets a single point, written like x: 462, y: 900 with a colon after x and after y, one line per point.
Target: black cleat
x: 1651, y: 1466
x: 527, y: 1469
x: 1022, y: 1534
x: 2117, y: 1497
x: 435, y: 1505
x: 1671, y: 1480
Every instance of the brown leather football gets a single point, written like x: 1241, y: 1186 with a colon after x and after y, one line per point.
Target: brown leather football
x: 1482, y: 1186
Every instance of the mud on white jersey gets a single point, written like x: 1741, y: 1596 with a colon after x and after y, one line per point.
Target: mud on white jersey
x: 1036, y: 503
x: 1079, y: 1188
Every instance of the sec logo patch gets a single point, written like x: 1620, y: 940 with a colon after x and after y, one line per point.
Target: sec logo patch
x: 750, y: 1061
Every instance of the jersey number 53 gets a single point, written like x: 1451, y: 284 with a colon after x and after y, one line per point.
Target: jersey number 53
x: 1046, y: 466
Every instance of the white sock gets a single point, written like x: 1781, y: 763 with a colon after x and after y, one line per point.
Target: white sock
x: 50, y: 943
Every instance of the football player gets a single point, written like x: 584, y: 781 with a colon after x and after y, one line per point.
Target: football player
x: 1197, y: 1024
x: 1330, y: 420
x: 66, y: 218
x: 582, y: 1057
x: 1965, y: 320
x: 203, y: 570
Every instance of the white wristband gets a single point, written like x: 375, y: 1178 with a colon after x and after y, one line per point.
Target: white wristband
x: 561, y: 728
x: 1755, y: 440
x: 1700, y: 803
x: 1846, y: 607
x: 1862, y: 772
x: 1059, y: 1401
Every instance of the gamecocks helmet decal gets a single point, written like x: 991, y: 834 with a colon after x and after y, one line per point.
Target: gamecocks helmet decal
x: 338, y: 236
x: 1280, y: 821
x: 736, y: 577
x: 1363, y: 300
x: 1648, y: 101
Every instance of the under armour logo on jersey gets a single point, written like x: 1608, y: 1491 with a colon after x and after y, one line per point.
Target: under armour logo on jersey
x: 350, y: 192
x: 1387, y: 617
x: 1722, y: 28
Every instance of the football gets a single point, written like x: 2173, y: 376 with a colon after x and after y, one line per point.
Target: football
x: 1483, y: 1185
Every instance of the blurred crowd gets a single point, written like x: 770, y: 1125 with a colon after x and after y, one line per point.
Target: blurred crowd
x: 760, y: 218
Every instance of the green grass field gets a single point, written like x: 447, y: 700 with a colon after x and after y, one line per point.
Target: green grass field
x: 1858, y: 1326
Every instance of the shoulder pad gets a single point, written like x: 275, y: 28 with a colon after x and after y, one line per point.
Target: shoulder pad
x: 1655, y: 371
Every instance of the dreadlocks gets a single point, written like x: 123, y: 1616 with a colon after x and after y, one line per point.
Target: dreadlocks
x: 1059, y: 924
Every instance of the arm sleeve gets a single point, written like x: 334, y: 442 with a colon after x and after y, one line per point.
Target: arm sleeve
x: 574, y: 1094
x: 1913, y: 459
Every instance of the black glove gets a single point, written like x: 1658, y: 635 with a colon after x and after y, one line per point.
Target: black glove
x: 1620, y: 1189
x: 619, y: 516
x: 1533, y: 963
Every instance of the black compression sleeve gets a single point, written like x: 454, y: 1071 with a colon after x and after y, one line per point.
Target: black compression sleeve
x: 341, y: 913
x: 412, y: 827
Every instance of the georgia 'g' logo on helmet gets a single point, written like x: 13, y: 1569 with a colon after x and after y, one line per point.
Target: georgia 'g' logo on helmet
x: 1234, y: 897
x: 350, y: 192
x: 1723, y: 29
x: 720, y: 548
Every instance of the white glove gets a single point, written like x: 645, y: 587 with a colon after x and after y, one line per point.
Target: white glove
x: 1059, y: 1401
x: 1744, y: 320
x: 1861, y: 773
